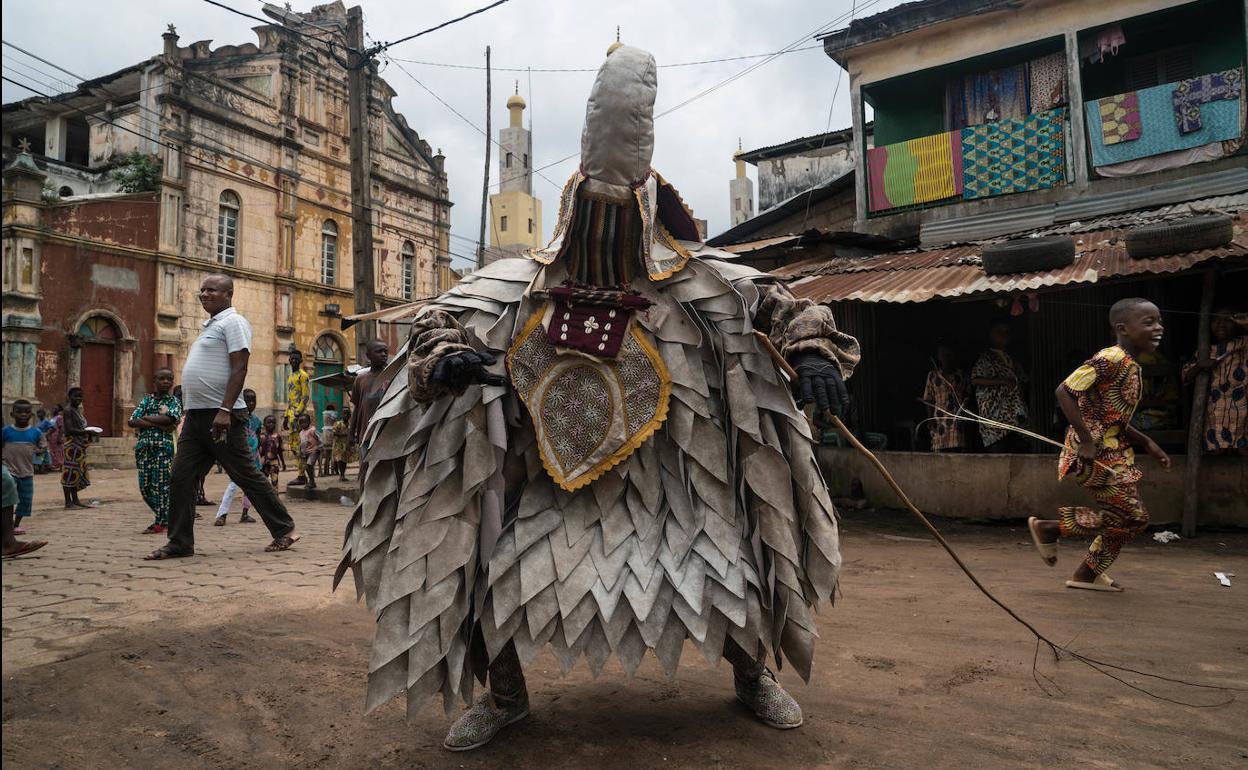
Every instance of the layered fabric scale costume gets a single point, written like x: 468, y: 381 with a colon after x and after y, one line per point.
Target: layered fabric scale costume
x: 643, y: 475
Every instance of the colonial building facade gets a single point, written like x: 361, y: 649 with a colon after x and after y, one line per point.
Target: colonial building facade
x: 250, y: 145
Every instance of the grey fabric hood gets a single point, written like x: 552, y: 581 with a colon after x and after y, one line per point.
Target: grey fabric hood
x: 617, y: 142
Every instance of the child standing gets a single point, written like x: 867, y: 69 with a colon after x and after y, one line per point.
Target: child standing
x: 947, y: 388
x: 156, y: 418
x: 8, y: 501
x: 271, y: 450
x: 328, y: 418
x: 43, y: 459
x: 341, y: 448
x: 22, y: 441
x: 252, y: 431
x: 309, y: 447
x: 1099, y: 399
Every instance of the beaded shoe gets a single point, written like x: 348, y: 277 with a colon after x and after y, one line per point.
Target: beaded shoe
x: 481, y: 722
x: 768, y: 700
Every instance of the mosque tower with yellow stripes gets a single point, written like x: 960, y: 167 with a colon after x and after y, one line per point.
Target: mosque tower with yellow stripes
x: 515, y: 214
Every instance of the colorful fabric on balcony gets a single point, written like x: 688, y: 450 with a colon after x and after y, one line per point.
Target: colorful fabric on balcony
x: 1220, y: 121
x: 987, y: 97
x: 1014, y: 155
x: 915, y: 171
x: 1190, y: 94
x: 1046, y: 81
x: 1120, y: 118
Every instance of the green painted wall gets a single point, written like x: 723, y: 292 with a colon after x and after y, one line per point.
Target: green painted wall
x: 1214, y: 30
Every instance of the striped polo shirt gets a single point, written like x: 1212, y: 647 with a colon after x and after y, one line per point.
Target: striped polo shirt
x: 207, y: 367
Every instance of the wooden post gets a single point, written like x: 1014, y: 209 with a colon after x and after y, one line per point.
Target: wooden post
x: 1200, y: 397
x: 359, y: 95
x: 485, y: 186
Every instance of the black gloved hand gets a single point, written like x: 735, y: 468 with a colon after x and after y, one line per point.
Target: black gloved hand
x: 459, y: 370
x: 819, y: 381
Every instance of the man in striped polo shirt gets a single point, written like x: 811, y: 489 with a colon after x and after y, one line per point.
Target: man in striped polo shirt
x: 214, y: 428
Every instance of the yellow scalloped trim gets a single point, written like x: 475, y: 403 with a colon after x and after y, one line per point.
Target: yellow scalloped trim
x: 629, y: 446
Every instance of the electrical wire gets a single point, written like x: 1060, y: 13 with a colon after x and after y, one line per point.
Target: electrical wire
x: 595, y: 69
x: 384, y: 46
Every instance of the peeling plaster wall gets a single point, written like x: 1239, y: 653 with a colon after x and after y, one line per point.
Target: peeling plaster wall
x: 781, y: 178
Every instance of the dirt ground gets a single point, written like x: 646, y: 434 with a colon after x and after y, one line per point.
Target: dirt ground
x: 914, y: 669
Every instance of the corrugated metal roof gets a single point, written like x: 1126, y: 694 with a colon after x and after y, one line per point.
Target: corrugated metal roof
x: 956, y: 271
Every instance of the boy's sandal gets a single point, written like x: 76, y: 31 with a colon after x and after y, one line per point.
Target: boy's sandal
x: 282, y: 543
x: 1103, y: 582
x: 219, y: 522
x: 1048, y: 551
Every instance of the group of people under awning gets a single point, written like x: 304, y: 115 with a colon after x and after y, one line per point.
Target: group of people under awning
x: 996, y: 389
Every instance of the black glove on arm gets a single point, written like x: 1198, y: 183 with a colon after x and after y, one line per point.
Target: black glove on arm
x: 819, y: 381
x: 459, y: 370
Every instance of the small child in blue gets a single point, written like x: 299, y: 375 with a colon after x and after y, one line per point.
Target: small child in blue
x: 22, y: 441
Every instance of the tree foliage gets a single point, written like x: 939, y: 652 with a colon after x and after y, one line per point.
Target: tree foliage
x: 137, y: 173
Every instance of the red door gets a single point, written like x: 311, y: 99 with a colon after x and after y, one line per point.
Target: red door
x: 97, y: 384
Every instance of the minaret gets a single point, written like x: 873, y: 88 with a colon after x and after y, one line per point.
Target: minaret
x: 516, y: 216
x: 740, y: 192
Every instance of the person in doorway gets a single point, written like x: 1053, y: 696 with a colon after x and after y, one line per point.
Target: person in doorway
x: 8, y: 503
x: 74, y: 474
x: 1226, y: 410
x: 948, y: 389
x: 366, y: 392
x: 23, y: 441
x: 253, y: 445
x: 297, y: 394
x: 341, y: 446
x: 215, y: 422
x: 56, y: 438
x: 43, y: 458
x: 1098, y: 399
x: 309, y: 447
x: 328, y: 418
x: 156, y: 418
x: 999, y: 381
x: 271, y: 450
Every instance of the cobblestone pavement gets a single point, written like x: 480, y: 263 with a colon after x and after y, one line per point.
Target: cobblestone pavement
x: 91, y: 577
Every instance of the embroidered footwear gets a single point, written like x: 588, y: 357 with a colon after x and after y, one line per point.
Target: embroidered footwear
x: 768, y: 700
x: 480, y: 723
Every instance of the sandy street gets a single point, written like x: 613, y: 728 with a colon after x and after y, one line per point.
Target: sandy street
x: 241, y: 659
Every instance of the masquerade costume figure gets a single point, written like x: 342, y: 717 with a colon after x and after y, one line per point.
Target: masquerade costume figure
x: 593, y: 450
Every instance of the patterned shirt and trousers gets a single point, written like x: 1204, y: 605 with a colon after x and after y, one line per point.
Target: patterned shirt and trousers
x: 153, y: 453
x: 204, y: 379
x: 1108, y: 389
x: 297, y: 394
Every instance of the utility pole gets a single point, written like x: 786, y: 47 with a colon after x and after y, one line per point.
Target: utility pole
x: 359, y: 93
x: 485, y: 186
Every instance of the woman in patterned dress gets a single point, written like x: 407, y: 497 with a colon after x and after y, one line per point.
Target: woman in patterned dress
x: 998, y: 381
x: 74, y: 475
x: 946, y: 388
x: 1226, y: 411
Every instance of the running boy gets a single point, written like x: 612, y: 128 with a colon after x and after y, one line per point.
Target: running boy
x: 156, y: 418
x: 309, y: 447
x: 22, y: 441
x: 1098, y: 399
x: 252, y: 431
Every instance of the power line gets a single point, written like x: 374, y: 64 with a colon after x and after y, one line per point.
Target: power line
x: 383, y: 46
x: 246, y: 15
x: 595, y: 69
x: 462, y: 117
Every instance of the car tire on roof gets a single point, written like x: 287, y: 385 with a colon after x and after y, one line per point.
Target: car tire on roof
x: 1028, y: 255
x: 1180, y: 236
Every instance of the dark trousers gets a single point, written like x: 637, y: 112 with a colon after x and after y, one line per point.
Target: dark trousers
x: 196, y: 453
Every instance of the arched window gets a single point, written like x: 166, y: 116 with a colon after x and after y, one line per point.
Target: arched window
x: 66, y: 191
x: 327, y: 350
x: 329, y: 252
x: 409, y: 268
x: 227, y: 228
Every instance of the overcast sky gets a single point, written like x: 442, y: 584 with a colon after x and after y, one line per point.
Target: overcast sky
x: 786, y: 98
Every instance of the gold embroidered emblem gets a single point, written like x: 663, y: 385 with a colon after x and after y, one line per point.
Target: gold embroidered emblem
x: 589, y: 414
